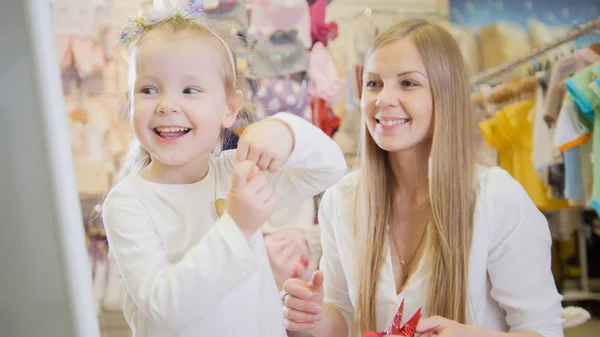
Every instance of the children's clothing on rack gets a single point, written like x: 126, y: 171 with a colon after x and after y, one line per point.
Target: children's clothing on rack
x: 282, y: 94
x: 324, y: 80
x: 321, y: 31
x: 280, y: 53
x: 82, y: 33
x: 560, y: 72
x: 96, y: 142
x: 271, y: 15
x: 510, y: 133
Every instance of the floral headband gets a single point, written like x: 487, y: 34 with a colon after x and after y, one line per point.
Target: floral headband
x: 160, y: 11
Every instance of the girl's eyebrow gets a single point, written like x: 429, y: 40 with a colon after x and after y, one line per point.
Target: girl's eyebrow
x: 148, y: 77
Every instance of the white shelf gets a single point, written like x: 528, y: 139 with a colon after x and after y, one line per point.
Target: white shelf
x: 578, y: 295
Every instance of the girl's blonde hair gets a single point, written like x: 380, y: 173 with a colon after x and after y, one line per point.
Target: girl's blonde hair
x: 137, y: 158
x: 448, y: 235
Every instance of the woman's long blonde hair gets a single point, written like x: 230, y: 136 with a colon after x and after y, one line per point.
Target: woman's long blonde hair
x: 451, y: 177
x: 137, y: 158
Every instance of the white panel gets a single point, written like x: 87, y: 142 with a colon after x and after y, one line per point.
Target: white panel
x: 45, y: 279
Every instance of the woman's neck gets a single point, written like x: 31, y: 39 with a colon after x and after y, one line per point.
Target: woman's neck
x: 410, y: 169
x: 188, y: 173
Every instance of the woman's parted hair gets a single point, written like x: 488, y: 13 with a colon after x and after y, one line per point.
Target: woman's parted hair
x: 449, y: 231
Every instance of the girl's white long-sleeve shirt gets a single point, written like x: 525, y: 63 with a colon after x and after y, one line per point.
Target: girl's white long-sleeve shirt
x: 510, y: 286
x: 188, y: 273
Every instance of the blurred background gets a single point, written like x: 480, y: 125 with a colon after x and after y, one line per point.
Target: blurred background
x: 511, y: 47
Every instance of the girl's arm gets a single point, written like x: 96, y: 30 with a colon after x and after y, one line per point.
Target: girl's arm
x: 315, y: 163
x: 174, y: 294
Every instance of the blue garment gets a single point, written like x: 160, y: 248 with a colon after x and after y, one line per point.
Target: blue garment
x: 573, y: 175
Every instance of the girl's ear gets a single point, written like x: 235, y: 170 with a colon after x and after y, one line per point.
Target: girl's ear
x: 233, y: 108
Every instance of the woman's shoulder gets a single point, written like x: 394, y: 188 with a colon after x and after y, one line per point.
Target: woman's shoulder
x: 345, y: 188
x: 494, y: 182
x: 503, y: 204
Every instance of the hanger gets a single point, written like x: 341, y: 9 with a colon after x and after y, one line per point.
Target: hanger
x: 79, y: 114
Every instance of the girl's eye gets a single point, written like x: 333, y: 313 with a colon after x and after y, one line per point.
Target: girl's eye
x: 372, y: 84
x: 149, y: 91
x: 189, y: 91
x: 407, y: 83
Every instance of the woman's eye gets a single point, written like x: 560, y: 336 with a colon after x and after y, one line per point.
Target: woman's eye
x: 189, y: 91
x: 371, y: 84
x: 149, y: 91
x: 407, y: 83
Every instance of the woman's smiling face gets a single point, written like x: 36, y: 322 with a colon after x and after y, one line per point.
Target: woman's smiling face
x: 397, y: 103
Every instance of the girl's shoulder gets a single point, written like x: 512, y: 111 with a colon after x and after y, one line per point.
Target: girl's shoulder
x: 128, y: 188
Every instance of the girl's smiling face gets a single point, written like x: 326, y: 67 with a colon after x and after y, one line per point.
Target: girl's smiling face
x: 179, y: 100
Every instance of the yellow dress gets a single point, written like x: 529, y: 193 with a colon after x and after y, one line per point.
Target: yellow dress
x: 510, y: 132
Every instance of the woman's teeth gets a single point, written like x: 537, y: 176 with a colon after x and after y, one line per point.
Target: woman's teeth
x: 392, y: 122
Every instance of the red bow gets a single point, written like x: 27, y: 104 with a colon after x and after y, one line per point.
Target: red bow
x: 408, y: 330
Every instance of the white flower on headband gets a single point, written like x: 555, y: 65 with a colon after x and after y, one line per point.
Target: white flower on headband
x: 159, y: 11
x: 150, y: 15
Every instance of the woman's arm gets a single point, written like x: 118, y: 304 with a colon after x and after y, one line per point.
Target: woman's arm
x: 519, y: 259
x: 518, y: 265
x: 338, y: 310
x: 174, y: 294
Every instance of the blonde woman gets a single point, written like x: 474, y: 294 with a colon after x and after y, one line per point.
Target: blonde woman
x: 421, y: 222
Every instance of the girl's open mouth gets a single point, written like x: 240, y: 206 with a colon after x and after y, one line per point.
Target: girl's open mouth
x: 172, y: 132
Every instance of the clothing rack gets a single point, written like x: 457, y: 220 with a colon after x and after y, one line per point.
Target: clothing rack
x: 368, y: 12
x: 578, y: 31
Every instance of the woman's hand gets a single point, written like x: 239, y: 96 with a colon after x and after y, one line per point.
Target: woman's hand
x: 303, y: 303
x: 442, y: 327
x: 267, y: 143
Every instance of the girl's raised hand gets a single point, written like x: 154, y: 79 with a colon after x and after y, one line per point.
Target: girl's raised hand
x: 268, y: 144
x: 251, y: 200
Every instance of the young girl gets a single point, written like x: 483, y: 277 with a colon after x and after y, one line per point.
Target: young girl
x: 431, y: 229
x: 185, y: 271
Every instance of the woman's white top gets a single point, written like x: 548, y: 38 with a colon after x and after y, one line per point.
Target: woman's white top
x: 188, y: 273
x: 511, y: 287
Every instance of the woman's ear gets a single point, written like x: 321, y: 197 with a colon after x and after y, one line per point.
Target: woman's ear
x: 233, y: 108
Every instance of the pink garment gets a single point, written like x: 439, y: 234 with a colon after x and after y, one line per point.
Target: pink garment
x: 270, y: 15
x: 325, y: 81
x: 63, y: 52
x: 82, y: 61
x: 321, y: 31
x: 88, y: 56
x: 288, y: 254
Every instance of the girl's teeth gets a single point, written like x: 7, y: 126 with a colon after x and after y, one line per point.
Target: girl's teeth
x: 172, y: 129
x: 394, y: 122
